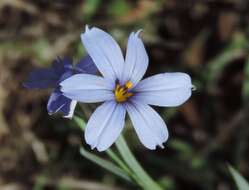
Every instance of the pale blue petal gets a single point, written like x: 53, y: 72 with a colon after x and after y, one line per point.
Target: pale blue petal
x: 71, y: 109
x: 149, y: 126
x: 90, y: 96
x: 86, y: 81
x: 87, y: 88
x: 105, y: 125
x: 168, y: 89
x: 136, y: 60
x: 104, y: 51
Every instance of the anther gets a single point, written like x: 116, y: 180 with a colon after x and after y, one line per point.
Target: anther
x: 122, y: 92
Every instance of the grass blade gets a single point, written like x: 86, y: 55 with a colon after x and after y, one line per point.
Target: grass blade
x: 242, y: 184
x: 142, y: 177
x: 105, y: 164
x: 81, y: 123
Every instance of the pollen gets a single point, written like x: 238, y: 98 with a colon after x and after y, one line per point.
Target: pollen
x: 122, y: 93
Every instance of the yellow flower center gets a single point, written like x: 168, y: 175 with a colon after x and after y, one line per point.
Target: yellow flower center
x: 122, y: 92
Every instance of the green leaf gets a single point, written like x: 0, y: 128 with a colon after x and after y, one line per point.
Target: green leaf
x: 118, y: 8
x: 39, y: 183
x: 143, y: 178
x: 242, y: 184
x: 216, y: 66
x: 120, y: 162
x: 90, y: 8
x: 236, y: 49
x: 239, y: 41
x: 167, y: 182
x: 80, y: 122
x: 105, y: 164
x: 245, y: 89
x: 130, y: 169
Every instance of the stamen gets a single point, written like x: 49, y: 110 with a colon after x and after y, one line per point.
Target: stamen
x: 128, y: 84
x: 118, y: 87
x: 122, y: 92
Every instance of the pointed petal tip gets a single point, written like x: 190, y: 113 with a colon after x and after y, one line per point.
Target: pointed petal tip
x: 87, y: 28
x: 138, y: 33
x: 68, y: 117
x: 71, y: 111
x: 92, y: 147
x: 101, y: 149
x: 161, y: 146
x: 152, y: 148
x: 61, y: 86
x: 132, y: 34
x: 155, y: 147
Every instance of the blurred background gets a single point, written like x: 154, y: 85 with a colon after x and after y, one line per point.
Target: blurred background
x: 207, y: 39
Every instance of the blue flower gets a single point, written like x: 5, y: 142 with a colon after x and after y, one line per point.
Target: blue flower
x: 51, y: 78
x: 122, y: 90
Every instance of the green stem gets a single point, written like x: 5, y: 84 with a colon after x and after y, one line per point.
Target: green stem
x: 120, y: 162
x: 105, y: 164
x: 81, y: 124
x: 129, y: 164
x: 144, y: 179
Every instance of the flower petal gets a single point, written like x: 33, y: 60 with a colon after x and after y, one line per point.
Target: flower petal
x: 41, y: 78
x: 136, y: 60
x: 105, y: 125
x: 86, y: 65
x: 168, y: 89
x: 87, y: 88
x: 62, y: 65
x: 65, y: 75
x: 149, y: 126
x: 71, y: 109
x: 59, y: 103
x: 104, y: 51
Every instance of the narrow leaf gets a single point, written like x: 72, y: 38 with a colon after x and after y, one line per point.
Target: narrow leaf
x: 245, y: 88
x: 105, y: 164
x: 81, y: 123
x: 118, y: 161
x: 242, y: 184
x: 142, y: 177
